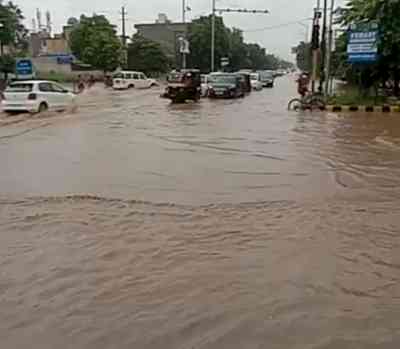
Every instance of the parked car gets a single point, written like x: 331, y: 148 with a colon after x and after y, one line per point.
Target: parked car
x: 267, y: 78
x: 225, y: 85
x: 132, y: 79
x: 256, y: 83
x: 204, y: 85
x: 36, y: 96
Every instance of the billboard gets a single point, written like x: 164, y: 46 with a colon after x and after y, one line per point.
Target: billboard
x: 363, y: 44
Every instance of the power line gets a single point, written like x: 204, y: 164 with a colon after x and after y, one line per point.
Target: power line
x: 283, y: 25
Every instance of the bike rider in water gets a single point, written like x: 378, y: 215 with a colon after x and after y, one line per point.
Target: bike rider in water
x: 302, y: 84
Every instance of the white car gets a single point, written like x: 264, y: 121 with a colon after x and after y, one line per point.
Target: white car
x: 36, y: 96
x: 205, y: 79
x: 255, y: 81
x: 132, y: 79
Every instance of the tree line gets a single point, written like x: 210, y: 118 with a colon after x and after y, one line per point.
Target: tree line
x: 229, y: 42
x: 95, y: 41
x: 386, y: 70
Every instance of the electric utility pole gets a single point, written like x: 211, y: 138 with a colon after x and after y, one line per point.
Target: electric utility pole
x: 222, y: 10
x: 330, y: 48
x: 123, y: 15
x: 323, y: 48
x: 315, y: 45
x: 124, y: 48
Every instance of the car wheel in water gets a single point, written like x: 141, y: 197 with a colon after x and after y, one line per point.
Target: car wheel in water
x: 43, y: 107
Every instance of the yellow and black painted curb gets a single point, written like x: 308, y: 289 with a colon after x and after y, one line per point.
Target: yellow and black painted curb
x: 363, y: 108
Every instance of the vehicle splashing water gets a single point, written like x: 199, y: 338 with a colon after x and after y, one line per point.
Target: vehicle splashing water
x: 133, y: 223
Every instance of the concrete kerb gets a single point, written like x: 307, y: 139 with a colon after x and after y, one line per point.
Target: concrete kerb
x: 384, y: 109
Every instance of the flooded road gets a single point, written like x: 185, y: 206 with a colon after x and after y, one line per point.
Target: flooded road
x: 133, y: 223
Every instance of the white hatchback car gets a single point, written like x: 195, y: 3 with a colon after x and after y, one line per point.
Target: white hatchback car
x: 256, y: 83
x: 36, y: 96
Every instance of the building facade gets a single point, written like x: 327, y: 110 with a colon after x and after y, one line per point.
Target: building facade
x: 167, y: 34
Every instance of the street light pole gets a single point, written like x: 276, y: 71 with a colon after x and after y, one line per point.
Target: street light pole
x: 184, y: 21
x: 213, y: 37
x: 221, y: 10
x: 323, y: 48
x: 330, y: 47
x: 307, y: 33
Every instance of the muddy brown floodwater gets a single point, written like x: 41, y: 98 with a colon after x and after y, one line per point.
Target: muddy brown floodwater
x: 132, y: 223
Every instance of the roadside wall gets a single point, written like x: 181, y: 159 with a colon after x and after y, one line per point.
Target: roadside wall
x: 49, y: 65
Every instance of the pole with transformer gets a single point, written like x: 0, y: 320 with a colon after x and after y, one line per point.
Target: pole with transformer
x: 221, y: 10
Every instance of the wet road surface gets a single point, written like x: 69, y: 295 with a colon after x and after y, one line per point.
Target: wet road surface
x: 133, y: 223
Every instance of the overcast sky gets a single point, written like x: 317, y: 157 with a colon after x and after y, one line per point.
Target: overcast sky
x: 278, y: 40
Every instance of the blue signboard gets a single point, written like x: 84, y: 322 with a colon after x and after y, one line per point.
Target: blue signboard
x: 65, y: 59
x: 363, y: 44
x: 24, y: 67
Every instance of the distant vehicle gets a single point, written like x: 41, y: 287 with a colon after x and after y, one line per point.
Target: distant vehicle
x: 204, y: 85
x: 256, y: 83
x: 267, y: 78
x: 225, y: 85
x: 183, y: 85
x: 36, y: 97
x: 280, y: 72
x: 132, y: 79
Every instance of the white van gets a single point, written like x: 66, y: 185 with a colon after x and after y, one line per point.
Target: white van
x: 131, y: 79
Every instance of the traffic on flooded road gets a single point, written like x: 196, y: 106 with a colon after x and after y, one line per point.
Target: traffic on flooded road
x: 133, y: 222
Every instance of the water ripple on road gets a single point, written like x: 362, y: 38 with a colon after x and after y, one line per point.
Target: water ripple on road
x: 134, y: 223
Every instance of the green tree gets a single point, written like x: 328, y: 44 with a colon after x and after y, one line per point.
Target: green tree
x: 199, y: 35
x: 303, y: 56
x: 147, y: 56
x: 228, y: 43
x: 238, y: 51
x: 7, y: 64
x: 95, y: 41
x: 384, y: 14
x: 12, y: 32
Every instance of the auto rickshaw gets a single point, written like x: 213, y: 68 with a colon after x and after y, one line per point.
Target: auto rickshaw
x: 183, y: 85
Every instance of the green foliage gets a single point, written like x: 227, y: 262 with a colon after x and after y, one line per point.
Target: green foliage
x: 350, y: 95
x: 12, y: 33
x: 147, y: 56
x: 304, y: 56
x: 95, y: 42
x: 228, y: 43
x: 7, y: 64
x: 385, y: 14
x: 200, y: 44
